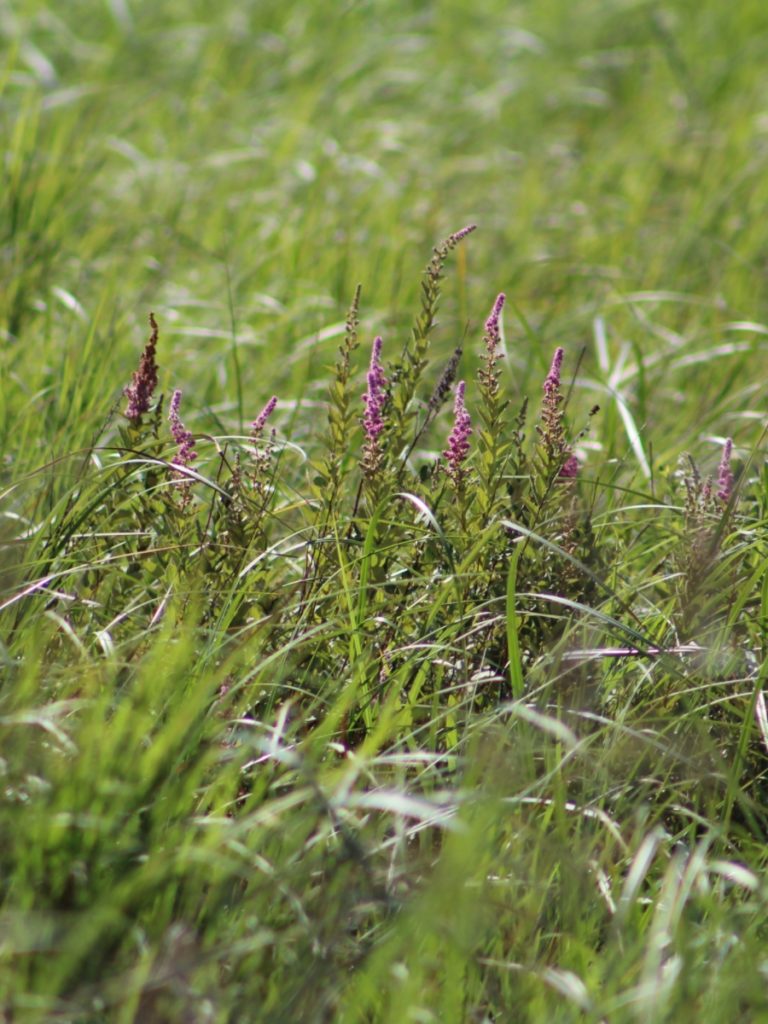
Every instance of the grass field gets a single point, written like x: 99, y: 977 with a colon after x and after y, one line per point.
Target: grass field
x: 434, y: 690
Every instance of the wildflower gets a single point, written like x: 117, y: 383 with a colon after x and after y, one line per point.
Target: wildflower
x: 489, y: 377
x: 258, y: 424
x: 551, y: 431
x: 144, y: 380
x: 552, y: 380
x: 724, y: 473
x: 570, y: 468
x: 262, y: 457
x: 186, y: 453
x: 440, y: 252
x: 375, y: 400
x: 458, y: 439
x: 492, y: 330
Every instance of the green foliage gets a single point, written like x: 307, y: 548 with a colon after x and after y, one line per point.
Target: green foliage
x: 289, y: 735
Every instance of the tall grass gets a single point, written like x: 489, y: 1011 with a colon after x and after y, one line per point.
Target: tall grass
x: 431, y: 688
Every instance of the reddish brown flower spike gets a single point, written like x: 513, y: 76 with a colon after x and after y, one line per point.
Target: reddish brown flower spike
x: 139, y: 391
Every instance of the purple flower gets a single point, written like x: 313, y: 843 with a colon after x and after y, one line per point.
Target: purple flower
x: 458, y: 439
x: 186, y: 453
x: 461, y: 234
x: 492, y: 330
x: 724, y: 473
x: 552, y: 380
x: 557, y: 451
x: 375, y: 399
x: 570, y: 468
x: 488, y: 375
x: 375, y: 396
x: 262, y: 456
x: 144, y: 380
x: 258, y: 424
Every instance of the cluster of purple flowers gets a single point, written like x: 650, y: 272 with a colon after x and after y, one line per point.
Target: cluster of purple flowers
x: 558, y: 450
x: 492, y: 326
x: 375, y: 399
x: 489, y: 376
x: 725, y: 474
x: 552, y: 431
x: 144, y: 381
x: 552, y: 396
x: 186, y: 453
x: 262, y: 455
x: 458, y: 439
x: 259, y: 423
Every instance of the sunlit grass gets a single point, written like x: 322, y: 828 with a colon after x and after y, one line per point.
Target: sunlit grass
x: 320, y: 746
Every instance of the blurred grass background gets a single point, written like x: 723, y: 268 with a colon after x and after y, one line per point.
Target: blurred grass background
x: 240, y: 172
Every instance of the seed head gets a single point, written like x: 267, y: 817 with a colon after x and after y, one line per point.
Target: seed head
x: 446, y: 379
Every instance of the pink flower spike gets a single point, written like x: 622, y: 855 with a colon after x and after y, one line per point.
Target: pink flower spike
x: 258, y: 424
x: 552, y: 381
x: 492, y: 330
x: 458, y: 439
x: 375, y: 396
x: 186, y: 453
x: 725, y: 474
x: 462, y: 233
x: 375, y: 399
x: 144, y: 381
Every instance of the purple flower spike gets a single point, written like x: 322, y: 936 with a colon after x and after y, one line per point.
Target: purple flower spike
x: 375, y: 399
x: 144, y: 380
x: 258, y: 424
x: 492, y: 330
x: 488, y: 375
x: 558, y: 452
x: 461, y: 234
x: 458, y: 439
x: 185, y: 441
x: 375, y: 396
x: 552, y: 381
x: 724, y: 473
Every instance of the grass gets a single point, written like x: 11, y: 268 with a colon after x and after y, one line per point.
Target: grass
x: 325, y: 724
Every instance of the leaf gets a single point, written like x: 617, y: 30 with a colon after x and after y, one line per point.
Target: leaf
x: 516, y: 679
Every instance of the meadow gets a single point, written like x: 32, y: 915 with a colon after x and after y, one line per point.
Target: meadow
x: 383, y: 550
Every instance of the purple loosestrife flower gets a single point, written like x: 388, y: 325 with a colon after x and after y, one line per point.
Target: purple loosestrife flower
x: 724, y: 473
x: 492, y: 329
x: 375, y: 399
x: 262, y: 456
x: 489, y: 375
x: 552, y: 380
x: 186, y: 453
x: 258, y: 424
x: 440, y: 252
x: 144, y: 380
x: 552, y: 433
x: 570, y: 468
x: 458, y: 439
x: 459, y: 235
